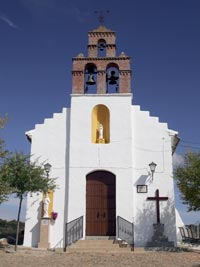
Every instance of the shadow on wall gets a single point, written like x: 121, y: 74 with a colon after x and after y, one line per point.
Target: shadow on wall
x: 144, y: 180
x: 66, y: 195
x: 59, y: 244
x: 168, y: 217
x: 36, y: 229
x: 147, y: 217
x: 143, y: 224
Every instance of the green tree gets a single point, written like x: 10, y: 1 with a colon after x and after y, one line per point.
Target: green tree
x: 187, y: 177
x: 4, y: 186
x: 5, y: 190
x: 25, y: 176
x: 3, y: 152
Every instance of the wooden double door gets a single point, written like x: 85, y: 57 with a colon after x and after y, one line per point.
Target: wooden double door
x: 100, y: 204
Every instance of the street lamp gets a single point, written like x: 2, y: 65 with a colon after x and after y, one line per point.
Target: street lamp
x: 47, y: 168
x: 152, y: 166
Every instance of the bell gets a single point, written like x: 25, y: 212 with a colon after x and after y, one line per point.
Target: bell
x: 112, y: 79
x: 102, y: 46
x: 90, y: 80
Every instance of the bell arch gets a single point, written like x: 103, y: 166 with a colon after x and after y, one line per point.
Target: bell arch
x: 112, y: 78
x: 90, y: 78
x: 100, y: 125
x: 101, y: 48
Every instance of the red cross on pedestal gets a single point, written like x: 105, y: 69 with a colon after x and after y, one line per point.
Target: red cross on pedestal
x: 157, y: 198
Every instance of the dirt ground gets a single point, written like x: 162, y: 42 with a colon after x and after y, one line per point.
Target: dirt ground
x: 35, y: 258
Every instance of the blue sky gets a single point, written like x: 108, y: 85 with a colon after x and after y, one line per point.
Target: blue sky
x: 39, y: 38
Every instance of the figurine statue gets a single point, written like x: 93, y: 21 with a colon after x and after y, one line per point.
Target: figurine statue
x: 46, y: 202
x: 100, y: 131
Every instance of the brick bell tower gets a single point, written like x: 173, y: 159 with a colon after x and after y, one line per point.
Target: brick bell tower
x: 102, y: 72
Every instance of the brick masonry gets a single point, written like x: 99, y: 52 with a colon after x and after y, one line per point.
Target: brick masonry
x: 121, y: 63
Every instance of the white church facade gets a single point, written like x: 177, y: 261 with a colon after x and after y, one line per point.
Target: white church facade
x: 100, y: 150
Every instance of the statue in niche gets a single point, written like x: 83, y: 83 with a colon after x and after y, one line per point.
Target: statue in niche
x: 100, y: 131
x: 46, y: 203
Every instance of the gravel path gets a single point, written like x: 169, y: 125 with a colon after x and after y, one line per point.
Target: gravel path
x: 136, y: 259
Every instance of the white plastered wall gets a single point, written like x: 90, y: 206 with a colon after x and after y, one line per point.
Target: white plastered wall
x: 152, y: 142
x: 50, y: 142
x: 136, y: 139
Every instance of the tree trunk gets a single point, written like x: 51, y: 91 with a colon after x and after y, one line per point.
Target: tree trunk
x: 18, y: 219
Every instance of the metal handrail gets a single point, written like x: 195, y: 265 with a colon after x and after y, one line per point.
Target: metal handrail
x: 195, y: 228
x: 73, y: 231
x: 193, y: 232
x: 125, y: 230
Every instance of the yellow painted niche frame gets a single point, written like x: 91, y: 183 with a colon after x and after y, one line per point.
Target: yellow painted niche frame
x: 100, y: 115
x: 50, y: 209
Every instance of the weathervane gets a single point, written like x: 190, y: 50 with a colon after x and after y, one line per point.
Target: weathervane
x: 101, y: 15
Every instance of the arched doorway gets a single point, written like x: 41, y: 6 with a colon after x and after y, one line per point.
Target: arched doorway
x: 100, y: 204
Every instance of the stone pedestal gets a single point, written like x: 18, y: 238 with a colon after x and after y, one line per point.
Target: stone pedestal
x: 158, y: 238
x: 44, y: 233
x: 101, y: 141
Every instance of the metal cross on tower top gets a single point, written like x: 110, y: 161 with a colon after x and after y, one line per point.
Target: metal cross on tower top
x: 101, y: 15
x: 157, y: 198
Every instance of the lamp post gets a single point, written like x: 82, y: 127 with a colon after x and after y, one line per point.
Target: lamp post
x: 152, y: 166
x: 47, y: 168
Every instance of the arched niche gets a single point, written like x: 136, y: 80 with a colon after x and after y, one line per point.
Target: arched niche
x: 50, y: 195
x: 112, y: 78
x: 100, y: 125
x: 90, y: 78
x: 101, y: 48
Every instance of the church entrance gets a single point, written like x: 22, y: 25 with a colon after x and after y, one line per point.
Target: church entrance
x: 100, y: 204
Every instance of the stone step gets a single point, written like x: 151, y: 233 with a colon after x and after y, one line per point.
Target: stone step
x: 160, y: 244
x: 94, y: 244
x: 97, y: 246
